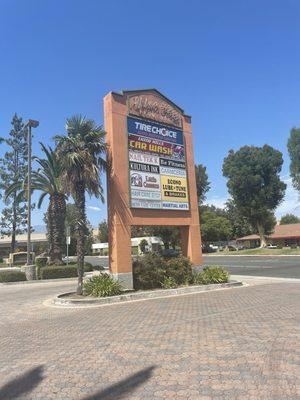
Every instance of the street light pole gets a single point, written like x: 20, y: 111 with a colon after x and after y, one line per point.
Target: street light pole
x: 30, y: 124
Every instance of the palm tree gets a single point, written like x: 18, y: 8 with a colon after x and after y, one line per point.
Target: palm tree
x: 81, y: 152
x: 47, y: 179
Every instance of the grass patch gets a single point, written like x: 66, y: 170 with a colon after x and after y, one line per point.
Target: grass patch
x: 266, y: 252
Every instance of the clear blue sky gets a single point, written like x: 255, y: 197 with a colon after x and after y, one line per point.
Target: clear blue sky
x: 233, y: 65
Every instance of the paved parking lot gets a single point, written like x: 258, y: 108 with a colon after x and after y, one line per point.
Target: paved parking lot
x: 230, y: 344
x: 273, y: 266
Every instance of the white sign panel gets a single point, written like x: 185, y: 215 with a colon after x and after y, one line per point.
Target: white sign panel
x: 146, y: 204
x: 144, y: 181
x: 175, y: 206
x: 172, y: 171
x: 145, y: 194
x: 143, y: 158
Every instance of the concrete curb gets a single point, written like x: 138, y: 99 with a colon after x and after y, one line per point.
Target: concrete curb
x: 268, y: 279
x: 63, y: 301
x: 251, y: 255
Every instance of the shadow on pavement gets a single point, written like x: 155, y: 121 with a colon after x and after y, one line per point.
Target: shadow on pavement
x: 124, y: 387
x: 22, y: 384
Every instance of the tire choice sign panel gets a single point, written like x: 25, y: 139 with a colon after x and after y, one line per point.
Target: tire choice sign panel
x: 157, y: 165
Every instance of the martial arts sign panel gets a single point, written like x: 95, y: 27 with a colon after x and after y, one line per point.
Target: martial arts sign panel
x: 157, y: 166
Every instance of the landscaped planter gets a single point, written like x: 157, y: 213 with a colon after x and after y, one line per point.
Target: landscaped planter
x: 71, y: 299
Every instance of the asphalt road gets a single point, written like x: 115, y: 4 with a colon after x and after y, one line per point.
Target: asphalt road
x: 271, y: 266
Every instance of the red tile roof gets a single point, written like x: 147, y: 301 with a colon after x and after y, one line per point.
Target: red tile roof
x: 280, y: 232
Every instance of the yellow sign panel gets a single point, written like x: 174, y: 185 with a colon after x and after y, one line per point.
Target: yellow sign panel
x: 174, y: 189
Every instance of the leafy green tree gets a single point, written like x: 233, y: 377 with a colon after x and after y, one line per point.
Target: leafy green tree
x: 289, y: 219
x: 214, y: 228
x: 47, y: 180
x: 140, y: 231
x: 143, y: 245
x: 294, y: 152
x: 221, y: 212
x: 254, y: 183
x: 202, y: 183
x: 169, y: 235
x: 71, y: 224
x: 13, y: 168
x: 103, y: 231
x: 81, y: 151
x: 240, y: 226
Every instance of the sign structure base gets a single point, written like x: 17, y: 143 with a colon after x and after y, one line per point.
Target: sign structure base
x: 125, y: 278
x: 177, y: 205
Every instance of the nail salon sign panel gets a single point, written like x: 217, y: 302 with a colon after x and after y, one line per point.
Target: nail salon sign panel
x: 157, y: 165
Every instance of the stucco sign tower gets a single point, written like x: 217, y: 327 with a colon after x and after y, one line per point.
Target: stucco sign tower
x: 152, y: 175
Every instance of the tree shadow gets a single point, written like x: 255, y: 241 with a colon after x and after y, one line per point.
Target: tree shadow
x: 22, y: 384
x: 124, y: 387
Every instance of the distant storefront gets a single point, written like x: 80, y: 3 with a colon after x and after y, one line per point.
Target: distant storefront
x: 153, y: 244
x: 38, y: 240
x: 283, y: 235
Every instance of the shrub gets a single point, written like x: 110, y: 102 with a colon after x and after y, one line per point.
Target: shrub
x: 59, y: 272
x: 180, y: 269
x: 149, y: 272
x: 169, y: 283
x: 88, y: 267
x: 98, y: 268
x: 102, y: 285
x: 212, y: 274
x: 41, y: 261
x: 1, y: 259
x: 12, y: 276
x: 152, y: 270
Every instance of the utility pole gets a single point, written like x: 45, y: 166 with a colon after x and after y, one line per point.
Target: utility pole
x: 30, y: 124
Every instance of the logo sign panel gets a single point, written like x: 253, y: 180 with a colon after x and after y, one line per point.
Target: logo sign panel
x: 157, y: 167
x: 153, y: 107
x: 144, y: 181
x: 154, y: 130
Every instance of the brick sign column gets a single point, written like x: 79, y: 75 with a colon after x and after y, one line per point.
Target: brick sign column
x: 152, y: 175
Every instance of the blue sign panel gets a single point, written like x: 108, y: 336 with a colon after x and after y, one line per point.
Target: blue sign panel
x: 154, y: 130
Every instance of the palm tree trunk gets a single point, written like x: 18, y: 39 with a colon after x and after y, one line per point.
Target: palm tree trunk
x: 81, y: 230
x: 56, y: 216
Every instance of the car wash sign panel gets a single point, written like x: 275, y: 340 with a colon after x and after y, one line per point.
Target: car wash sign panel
x: 157, y: 165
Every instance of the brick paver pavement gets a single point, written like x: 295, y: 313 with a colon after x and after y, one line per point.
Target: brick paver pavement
x: 230, y: 344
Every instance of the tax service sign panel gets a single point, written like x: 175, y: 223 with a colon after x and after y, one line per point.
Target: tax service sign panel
x: 157, y: 166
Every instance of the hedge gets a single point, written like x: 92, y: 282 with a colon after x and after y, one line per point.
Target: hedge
x: 12, y: 276
x: 56, y: 272
x: 62, y: 271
